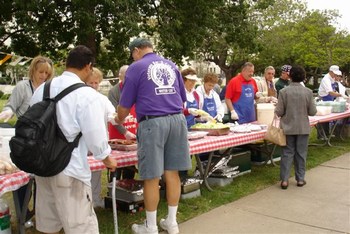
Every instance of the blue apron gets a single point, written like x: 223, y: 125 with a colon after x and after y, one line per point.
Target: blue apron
x: 244, y: 107
x: 209, y: 106
x: 330, y: 97
x: 190, y: 118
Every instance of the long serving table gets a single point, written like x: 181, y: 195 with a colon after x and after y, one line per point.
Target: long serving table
x: 203, y: 145
x: 336, y: 117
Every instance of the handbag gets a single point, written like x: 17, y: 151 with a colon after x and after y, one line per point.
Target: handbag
x: 275, y: 134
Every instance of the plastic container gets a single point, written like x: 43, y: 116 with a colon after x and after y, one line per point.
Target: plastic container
x: 323, y: 110
x: 5, y: 136
x: 265, y: 113
x: 338, y: 107
x: 5, y: 218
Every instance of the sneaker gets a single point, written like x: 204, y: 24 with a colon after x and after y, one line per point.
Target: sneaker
x: 143, y: 228
x: 29, y: 224
x: 170, y: 228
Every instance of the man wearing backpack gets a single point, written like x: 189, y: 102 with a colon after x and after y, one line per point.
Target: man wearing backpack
x: 64, y: 200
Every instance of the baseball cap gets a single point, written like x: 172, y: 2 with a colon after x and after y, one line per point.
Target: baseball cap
x: 335, y: 70
x: 139, y: 42
x: 192, y: 77
x: 286, y: 68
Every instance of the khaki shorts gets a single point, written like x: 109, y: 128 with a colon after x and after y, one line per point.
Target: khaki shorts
x: 64, y: 202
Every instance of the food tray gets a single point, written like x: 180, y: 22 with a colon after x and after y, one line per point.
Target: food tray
x: 190, y: 185
x: 193, y: 135
x: 123, y: 145
x: 125, y: 194
x: 213, y: 131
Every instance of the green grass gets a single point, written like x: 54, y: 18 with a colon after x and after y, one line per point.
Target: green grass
x: 259, y: 178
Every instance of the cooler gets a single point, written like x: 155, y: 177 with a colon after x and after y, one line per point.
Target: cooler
x: 242, y: 158
x: 259, y: 155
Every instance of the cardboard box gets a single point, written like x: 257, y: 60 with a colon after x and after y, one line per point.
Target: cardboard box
x: 195, y: 193
x: 216, y: 181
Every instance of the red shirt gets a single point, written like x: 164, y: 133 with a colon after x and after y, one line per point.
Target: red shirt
x: 234, y: 87
x: 130, y: 126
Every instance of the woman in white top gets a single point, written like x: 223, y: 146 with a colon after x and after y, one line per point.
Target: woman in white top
x: 209, y: 100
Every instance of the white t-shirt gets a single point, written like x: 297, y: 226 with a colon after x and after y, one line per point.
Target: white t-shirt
x: 326, y: 85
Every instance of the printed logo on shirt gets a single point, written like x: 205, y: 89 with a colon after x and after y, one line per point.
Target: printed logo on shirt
x: 248, y: 92
x: 163, y: 75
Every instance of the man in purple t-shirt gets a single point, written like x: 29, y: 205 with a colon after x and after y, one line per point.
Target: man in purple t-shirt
x: 155, y: 86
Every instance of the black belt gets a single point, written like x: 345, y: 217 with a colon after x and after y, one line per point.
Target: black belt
x: 147, y: 117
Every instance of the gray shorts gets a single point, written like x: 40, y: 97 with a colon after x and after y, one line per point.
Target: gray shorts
x: 162, y: 145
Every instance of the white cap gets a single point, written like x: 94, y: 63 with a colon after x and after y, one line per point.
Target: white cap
x: 335, y: 70
x: 192, y: 77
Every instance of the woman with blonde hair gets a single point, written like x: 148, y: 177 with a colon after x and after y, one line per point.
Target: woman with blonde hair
x: 40, y: 70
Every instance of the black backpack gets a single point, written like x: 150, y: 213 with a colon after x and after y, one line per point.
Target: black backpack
x: 39, y: 146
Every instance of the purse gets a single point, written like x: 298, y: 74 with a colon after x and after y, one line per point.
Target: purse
x: 275, y: 134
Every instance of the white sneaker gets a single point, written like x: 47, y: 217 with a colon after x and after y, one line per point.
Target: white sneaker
x: 170, y: 228
x: 143, y: 228
x: 29, y: 223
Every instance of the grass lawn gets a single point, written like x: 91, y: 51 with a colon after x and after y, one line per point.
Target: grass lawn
x: 259, y: 178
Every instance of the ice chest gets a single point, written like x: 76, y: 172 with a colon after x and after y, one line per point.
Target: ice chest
x: 241, y: 158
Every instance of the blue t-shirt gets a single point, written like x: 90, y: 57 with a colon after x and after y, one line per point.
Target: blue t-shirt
x: 154, y: 85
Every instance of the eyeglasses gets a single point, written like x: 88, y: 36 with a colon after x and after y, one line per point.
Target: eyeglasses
x: 91, y: 66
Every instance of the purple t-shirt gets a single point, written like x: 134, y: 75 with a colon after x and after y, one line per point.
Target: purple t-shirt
x: 154, y: 85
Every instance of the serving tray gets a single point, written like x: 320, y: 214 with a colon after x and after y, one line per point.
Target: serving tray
x: 123, y: 145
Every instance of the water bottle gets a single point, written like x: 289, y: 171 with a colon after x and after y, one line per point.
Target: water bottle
x: 5, y: 218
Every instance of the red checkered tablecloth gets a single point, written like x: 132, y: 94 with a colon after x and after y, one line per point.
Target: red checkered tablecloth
x: 211, y: 143
x: 124, y: 159
x: 12, y: 182
x: 330, y: 117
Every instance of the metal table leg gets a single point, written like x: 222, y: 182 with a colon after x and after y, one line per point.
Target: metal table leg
x: 21, y: 212
x: 204, y: 172
x: 344, y: 122
x: 320, y: 129
x: 269, y: 153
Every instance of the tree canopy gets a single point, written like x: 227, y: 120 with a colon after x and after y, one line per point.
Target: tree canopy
x: 226, y: 32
